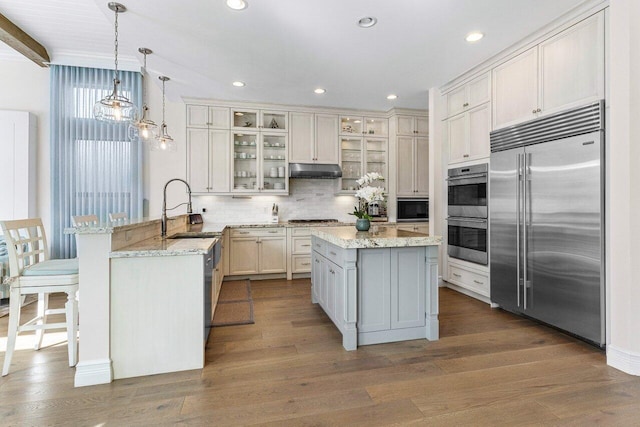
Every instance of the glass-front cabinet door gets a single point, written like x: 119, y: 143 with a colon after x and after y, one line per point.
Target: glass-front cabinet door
x: 376, y: 159
x: 247, y: 120
x: 242, y: 119
x: 275, y: 170
x: 351, y: 157
x: 260, y: 163
x: 245, y: 162
x: 370, y: 126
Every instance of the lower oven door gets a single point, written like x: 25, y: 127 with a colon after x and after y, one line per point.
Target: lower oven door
x: 467, y: 239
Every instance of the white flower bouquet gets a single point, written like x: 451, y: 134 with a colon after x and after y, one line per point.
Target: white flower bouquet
x: 367, y: 194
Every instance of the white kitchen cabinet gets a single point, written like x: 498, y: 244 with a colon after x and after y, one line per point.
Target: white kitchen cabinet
x: 474, y: 280
x: 204, y: 116
x: 470, y: 95
x: 18, y: 145
x: 564, y: 71
x: 416, y: 227
x: 412, y: 125
x: 299, y: 251
x: 314, y: 138
x: 208, y: 160
x: 360, y: 155
x: 468, y: 134
x: 243, y: 119
x: 412, y: 167
x: 258, y: 251
x: 260, y: 163
x: 358, y: 125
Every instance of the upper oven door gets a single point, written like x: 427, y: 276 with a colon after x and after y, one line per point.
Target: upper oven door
x: 467, y: 195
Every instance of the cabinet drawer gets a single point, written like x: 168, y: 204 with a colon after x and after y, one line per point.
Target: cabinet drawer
x: 258, y: 232
x: 318, y: 245
x: 301, y: 245
x: 334, y: 253
x: 301, y: 264
x: 473, y: 281
x: 301, y: 231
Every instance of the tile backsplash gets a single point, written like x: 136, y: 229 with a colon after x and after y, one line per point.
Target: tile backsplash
x: 308, y: 198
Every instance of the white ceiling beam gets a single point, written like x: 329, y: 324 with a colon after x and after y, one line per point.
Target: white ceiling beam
x: 22, y: 42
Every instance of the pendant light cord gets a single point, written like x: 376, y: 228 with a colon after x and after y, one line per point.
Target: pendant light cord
x: 163, y: 82
x: 116, y: 44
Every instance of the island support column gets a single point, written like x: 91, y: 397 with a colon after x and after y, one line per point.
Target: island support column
x: 350, y: 333
x: 432, y: 323
x: 94, y: 365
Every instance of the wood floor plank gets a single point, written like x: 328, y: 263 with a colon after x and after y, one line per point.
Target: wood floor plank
x: 289, y: 368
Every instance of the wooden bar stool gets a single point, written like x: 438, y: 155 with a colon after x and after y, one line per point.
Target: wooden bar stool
x: 32, y: 272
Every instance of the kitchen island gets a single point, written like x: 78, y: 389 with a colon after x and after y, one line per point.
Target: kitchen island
x: 376, y: 286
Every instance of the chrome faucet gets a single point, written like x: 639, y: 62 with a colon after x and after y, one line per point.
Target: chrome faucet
x: 164, y: 204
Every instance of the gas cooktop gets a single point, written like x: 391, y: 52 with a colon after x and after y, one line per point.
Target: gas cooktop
x: 304, y: 221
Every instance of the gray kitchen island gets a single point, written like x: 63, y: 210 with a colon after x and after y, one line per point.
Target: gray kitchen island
x: 376, y: 286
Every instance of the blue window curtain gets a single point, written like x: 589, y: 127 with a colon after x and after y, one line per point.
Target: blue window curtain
x: 95, y: 168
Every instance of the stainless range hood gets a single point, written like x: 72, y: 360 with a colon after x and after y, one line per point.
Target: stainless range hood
x: 314, y: 171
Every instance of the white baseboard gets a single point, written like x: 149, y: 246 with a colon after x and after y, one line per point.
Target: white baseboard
x: 93, y: 372
x: 623, y: 360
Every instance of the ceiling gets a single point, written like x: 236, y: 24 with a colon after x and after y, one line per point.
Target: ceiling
x: 284, y: 49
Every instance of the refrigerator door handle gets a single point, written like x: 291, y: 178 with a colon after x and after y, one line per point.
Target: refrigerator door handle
x: 525, y: 224
x: 518, y: 201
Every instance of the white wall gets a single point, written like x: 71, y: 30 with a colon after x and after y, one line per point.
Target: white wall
x: 24, y: 86
x: 623, y: 251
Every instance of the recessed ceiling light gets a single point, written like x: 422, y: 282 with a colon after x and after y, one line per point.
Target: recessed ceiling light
x: 356, y: 121
x: 474, y: 37
x: 367, y: 21
x: 238, y: 84
x: 319, y: 91
x: 237, y: 4
x: 392, y: 96
x: 239, y: 114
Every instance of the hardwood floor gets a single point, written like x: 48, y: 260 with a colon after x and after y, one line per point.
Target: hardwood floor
x: 289, y: 368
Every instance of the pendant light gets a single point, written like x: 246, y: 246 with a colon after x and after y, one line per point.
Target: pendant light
x: 163, y: 142
x: 143, y: 128
x: 115, y: 108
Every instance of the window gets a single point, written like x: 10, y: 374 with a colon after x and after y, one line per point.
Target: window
x: 95, y: 168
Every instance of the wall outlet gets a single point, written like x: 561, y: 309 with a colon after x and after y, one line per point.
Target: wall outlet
x: 204, y: 210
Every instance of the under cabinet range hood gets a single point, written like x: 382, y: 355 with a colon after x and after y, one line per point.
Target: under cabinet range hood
x: 313, y: 170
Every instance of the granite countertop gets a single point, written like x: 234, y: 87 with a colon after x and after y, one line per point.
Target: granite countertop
x: 378, y: 236
x: 109, y: 227
x: 158, y: 246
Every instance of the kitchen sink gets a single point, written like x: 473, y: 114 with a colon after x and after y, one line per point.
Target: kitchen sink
x: 194, y: 235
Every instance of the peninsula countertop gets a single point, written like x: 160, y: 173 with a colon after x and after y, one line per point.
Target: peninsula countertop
x: 158, y: 246
x: 380, y: 236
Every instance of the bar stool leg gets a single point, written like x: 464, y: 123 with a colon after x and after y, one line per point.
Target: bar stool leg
x: 43, y: 306
x: 71, y: 314
x: 14, y: 320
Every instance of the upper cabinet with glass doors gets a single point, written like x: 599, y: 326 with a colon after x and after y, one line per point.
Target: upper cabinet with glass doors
x: 264, y: 120
x: 354, y: 125
x: 360, y: 155
x: 260, y: 163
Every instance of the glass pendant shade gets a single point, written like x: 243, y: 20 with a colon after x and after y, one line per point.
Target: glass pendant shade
x: 143, y: 128
x: 163, y: 142
x: 115, y: 108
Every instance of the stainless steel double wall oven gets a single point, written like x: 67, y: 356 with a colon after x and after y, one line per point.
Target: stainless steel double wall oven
x: 467, y: 213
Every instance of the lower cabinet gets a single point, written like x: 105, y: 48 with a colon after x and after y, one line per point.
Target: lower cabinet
x: 299, y: 254
x: 474, y: 280
x: 391, y: 288
x: 327, y: 283
x: 257, y: 251
x: 416, y: 227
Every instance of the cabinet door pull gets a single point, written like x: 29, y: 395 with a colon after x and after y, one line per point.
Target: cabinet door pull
x: 333, y: 253
x: 305, y: 263
x: 305, y: 246
x: 466, y: 155
x: 478, y: 282
x: 534, y: 111
x: 273, y: 231
x: 456, y: 275
x: 538, y: 110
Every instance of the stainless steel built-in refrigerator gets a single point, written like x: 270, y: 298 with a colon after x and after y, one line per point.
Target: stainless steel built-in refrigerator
x: 547, y: 220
